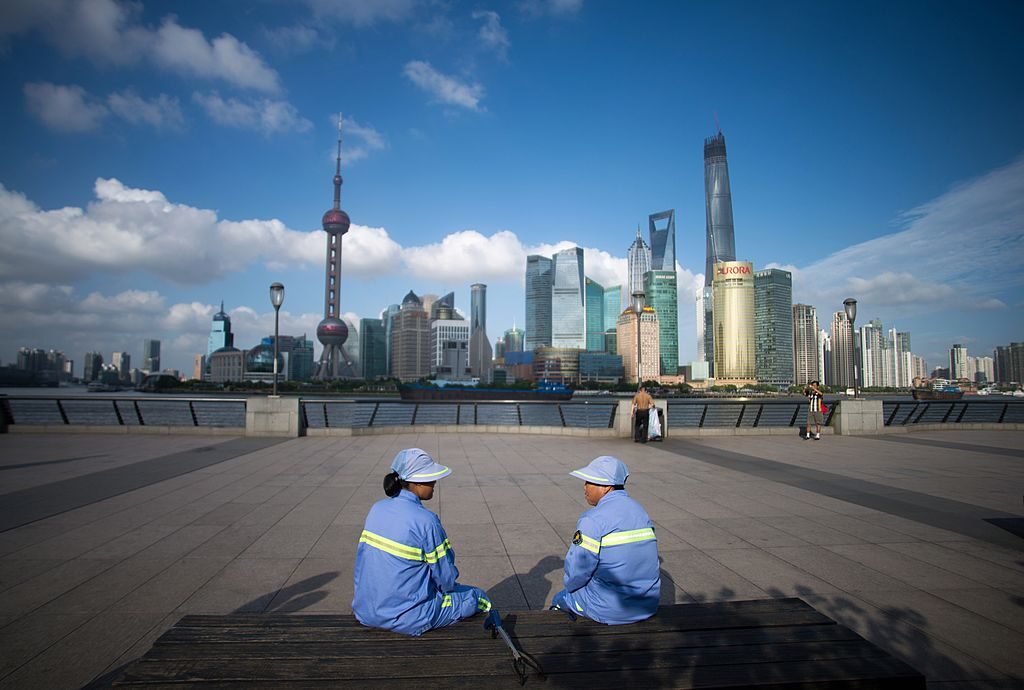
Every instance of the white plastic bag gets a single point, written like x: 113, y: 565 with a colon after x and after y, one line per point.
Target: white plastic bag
x: 653, y: 424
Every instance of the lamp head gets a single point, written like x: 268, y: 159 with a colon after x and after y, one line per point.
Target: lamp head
x: 850, y: 304
x: 638, y: 301
x: 276, y: 294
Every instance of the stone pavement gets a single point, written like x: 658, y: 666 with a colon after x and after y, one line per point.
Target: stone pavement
x: 108, y: 540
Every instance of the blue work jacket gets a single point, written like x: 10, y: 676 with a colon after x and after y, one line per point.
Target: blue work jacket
x: 405, y: 567
x: 612, y: 569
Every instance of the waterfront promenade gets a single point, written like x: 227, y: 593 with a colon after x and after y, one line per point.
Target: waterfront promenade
x: 908, y: 539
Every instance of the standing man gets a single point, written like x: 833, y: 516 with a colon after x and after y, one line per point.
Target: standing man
x: 612, y: 574
x: 642, y: 404
x: 814, y: 415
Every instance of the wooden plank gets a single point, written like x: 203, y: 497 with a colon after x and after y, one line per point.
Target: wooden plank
x: 453, y: 664
x: 424, y: 647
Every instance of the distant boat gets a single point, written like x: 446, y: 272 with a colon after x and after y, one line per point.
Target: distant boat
x: 544, y: 391
x: 943, y: 393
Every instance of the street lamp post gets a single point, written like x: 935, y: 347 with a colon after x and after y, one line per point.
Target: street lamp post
x: 850, y: 305
x: 276, y: 298
x: 638, y: 309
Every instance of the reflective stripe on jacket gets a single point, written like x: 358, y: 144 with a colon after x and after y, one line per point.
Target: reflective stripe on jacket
x: 612, y: 567
x: 405, y: 574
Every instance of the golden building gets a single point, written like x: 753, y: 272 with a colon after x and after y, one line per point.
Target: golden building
x: 733, y: 297
x: 650, y: 344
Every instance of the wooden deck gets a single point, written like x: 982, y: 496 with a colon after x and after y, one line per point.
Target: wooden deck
x: 776, y: 643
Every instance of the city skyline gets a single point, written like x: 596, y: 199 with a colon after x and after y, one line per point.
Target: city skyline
x: 170, y: 157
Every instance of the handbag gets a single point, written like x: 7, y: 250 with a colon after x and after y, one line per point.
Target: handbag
x: 824, y: 410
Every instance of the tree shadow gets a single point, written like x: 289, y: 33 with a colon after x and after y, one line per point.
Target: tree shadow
x: 703, y: 643
x: 292, y: 598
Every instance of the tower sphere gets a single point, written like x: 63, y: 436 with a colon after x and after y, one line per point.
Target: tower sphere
x: 332, y: 331
x: 336, y: 222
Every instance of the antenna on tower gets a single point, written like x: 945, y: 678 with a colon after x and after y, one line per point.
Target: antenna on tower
x: 717, y: 126
x: 338, y: 162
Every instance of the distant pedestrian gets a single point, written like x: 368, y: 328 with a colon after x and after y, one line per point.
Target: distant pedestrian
x: 815, y: 417
x: 612, y: 572
x: 405, y: 574
x: 642, y: 404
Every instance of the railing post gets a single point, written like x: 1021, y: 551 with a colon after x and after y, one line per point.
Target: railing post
x: 962, y: 411
x: 739, y: 421
x: 796, y: 413
x: 117, y: 411
x: 415, y: 410
x: 192, y: 411
x: 1002, y: 414
x: 327, y: 421
x: 703, y: 414
x: 948, y: 412
x: 63, y: 414
x: 561, y: 415
x: 138, y: 413
x: 760, y: 409
x: 519, y: 413
x: 373, y: 415
x: 892, y: 416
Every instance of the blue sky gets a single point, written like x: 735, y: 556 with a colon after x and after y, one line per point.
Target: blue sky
x: 159, y: 157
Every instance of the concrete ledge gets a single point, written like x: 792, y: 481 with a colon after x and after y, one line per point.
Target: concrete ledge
x: 273, y: 416
x: 744, y: 431
x: 100, y: 429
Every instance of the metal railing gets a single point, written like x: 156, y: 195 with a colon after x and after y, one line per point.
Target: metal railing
x: 701, y: 413
x: 127, y: 411
x: 911, y: 412
x: 349, y: 414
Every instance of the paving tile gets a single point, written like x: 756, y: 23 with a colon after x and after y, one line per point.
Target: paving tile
x: 869, y: 532
x: 228, y: 543
x: 318, y: 585
x: 540, y: 579
x: 771, y: 574
x: 532, y: 539
x: 246, y: 585
x: 756, y: 532
x: 973, y: 634
x: 16, y: 571
x: 902, y: 567
x: 905, y: 633
x: 225, y: 514
x: 811, y: 530
x: 705, y: 579
x: 476, y: 540
x: 337, y: 541
x: 45, y: 587
x: 948, y: 557
x: 82, y: 655
x: 994, y: 604
x: 837, y: 570
x: 167, y: 591
x: 32, y: 635
x: 284, y: 542
x: 702, y: 534
x: 496, y: 576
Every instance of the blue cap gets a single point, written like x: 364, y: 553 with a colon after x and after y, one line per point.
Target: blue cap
x: 605, y: 471
x: 414, y: 465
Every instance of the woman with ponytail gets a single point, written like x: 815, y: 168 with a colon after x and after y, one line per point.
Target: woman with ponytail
x: 405, y: 574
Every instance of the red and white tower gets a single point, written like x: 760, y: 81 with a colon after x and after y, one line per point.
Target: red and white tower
x: 332, y: 331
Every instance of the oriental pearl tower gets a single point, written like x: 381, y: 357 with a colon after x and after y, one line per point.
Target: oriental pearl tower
x: 332, y: 331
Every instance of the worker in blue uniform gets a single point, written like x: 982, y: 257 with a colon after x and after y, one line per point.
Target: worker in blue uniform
x: 405, y: 574
x: 612, y: 573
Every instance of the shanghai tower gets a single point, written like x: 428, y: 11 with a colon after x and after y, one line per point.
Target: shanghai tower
x: 721, y: 238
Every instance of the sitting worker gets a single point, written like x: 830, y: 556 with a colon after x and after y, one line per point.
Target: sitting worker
x: 405, y: 574
x: 611, y: 569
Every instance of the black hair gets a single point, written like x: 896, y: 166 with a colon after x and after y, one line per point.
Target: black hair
x: 615, y: 487
x: 393, y: 484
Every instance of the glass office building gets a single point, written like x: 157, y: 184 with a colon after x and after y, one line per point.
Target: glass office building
x: 663, y: 240
x: 568, y: 316
x: 639, y: 262
x: 773, y: 327
x: 372, y: 346
x: 663, y: 296
x: 805, y: 345
x: 538, y: 302
x: 595, y: 316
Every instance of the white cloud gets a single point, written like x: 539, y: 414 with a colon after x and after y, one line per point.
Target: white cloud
x: 444, y: 88
x: 362, y: 13
x: 128, y: 229
x: 108, y: 32
x: 468, y: 255
x: 956, y: 251
x: 359, y: 141
x: 550, y: 8
x: 492, y: 34
x: 162, y: 112
x: 64, y: 108
x: 298, y: 38
x: 261, y: 115
x: 147, y: 301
